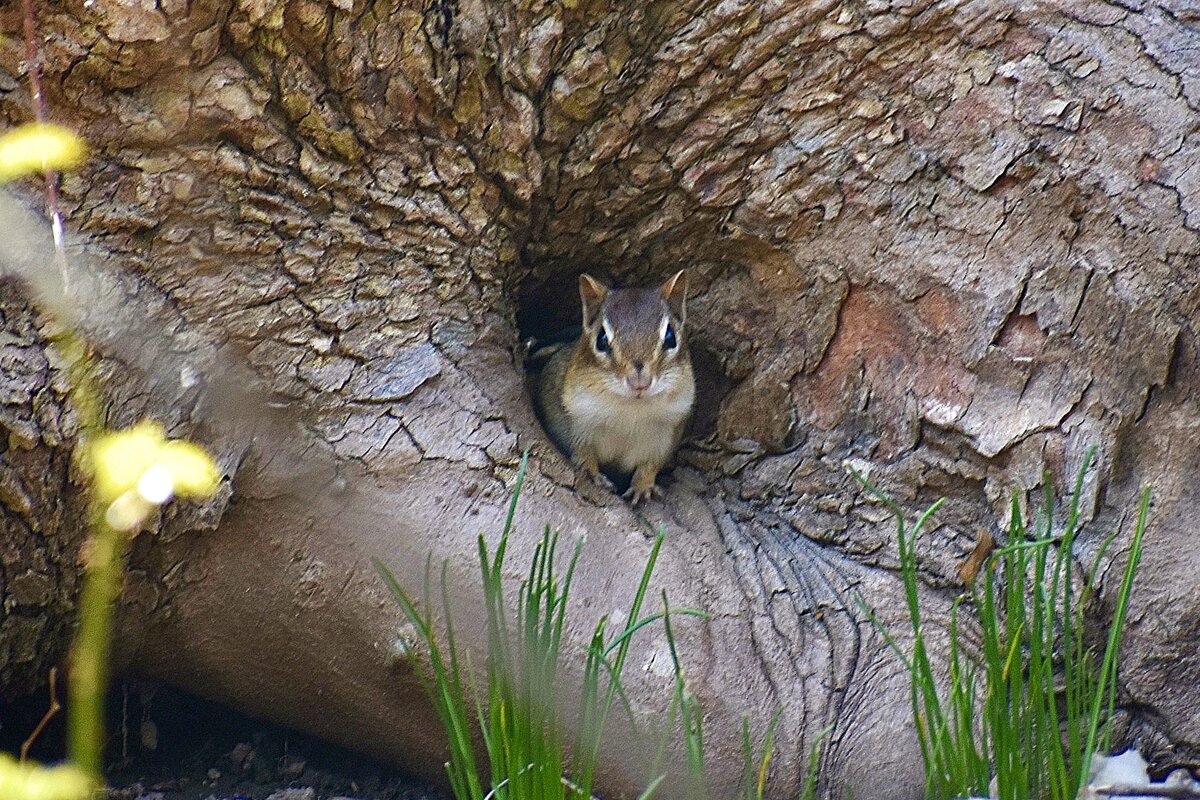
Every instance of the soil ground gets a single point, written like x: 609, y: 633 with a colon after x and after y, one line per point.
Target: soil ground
x: 168, y: 745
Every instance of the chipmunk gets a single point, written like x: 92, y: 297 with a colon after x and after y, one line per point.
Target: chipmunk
x: 620, y: 397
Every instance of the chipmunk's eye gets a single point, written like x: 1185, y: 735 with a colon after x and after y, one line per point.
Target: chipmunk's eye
x: 602, y: 345
x: 669, y: 341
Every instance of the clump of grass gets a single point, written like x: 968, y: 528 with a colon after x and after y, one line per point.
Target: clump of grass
x: 1031, y: 709
x: 517, y: 709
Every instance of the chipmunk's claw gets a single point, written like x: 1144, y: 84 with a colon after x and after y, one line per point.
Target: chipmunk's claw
x: 587, y: 464
x: 635, y: 496
x: 604, y: 482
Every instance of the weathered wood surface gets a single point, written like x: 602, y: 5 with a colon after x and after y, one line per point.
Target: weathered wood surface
x: 951, y: 242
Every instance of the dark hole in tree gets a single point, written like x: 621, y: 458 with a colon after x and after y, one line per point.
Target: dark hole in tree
x: 549, y: 314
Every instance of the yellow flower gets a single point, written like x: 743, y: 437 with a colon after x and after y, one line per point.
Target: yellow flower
x: 37, y: 147
x: 193, y: 471
x: 34, y: 782
x: 138, y: 469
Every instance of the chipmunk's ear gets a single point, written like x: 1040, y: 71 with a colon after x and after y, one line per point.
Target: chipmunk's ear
x: 592, y: 292
x: 674, y: 291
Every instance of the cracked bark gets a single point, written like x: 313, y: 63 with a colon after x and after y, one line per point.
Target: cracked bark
x: 948, y: 242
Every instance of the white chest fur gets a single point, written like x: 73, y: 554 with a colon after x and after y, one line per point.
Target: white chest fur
x: 627, y: 432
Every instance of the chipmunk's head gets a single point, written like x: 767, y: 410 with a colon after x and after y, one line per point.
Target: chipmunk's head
x: 636, y: 335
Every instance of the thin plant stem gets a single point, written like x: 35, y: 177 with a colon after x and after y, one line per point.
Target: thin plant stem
x: 104, y: 574
x: 33, y: 58
x: 89, y: 656
x: 51, y: 713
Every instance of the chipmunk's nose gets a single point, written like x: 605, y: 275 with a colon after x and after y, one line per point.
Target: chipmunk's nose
x: 640, y: 380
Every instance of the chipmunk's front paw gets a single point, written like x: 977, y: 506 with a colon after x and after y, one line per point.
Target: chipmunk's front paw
x: 636, y: 494
x: 604, y: 482
x: 588, y: 464
x: 643, y: 485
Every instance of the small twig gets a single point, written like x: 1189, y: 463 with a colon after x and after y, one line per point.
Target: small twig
x: 490, y: 795
x: 33, y: 57
x: 124, y: 723
x: 51, y: 712
x: 564, y: 779
x: 1180, y: 791
x: 574, y: 787
x: 968, y: 568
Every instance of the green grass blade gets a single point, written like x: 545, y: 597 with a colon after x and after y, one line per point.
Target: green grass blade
x: 809, y: 790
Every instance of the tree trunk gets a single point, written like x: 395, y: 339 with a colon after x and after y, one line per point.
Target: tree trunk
x: 950, y: 243
x: 40, y: 528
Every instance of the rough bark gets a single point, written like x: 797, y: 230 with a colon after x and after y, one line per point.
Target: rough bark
x: 39, y: 521
x: 949, y: 242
